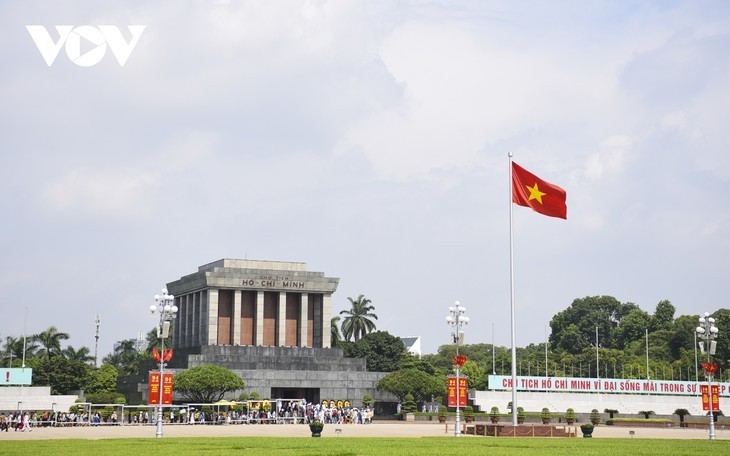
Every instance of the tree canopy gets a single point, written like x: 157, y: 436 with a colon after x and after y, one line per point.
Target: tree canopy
x: 382, y: 351
x: 126, y: 358
x: 416, y: 382
x: 61, y: 374
x: 207, y: 383
x: 50, y: 341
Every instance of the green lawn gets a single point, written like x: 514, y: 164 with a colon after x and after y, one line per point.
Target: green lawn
x: 344, y: 446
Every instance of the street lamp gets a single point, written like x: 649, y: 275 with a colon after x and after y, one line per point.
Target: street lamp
x: 707, y: 333
x: 457, y: 320
x: 165, y: 306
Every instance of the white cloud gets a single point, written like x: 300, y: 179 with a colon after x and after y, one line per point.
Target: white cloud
x: 370, y: 138
x: 107, y: 192
x: 611, y: 156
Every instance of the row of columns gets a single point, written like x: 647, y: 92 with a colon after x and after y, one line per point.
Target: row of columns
x: 198, y: 319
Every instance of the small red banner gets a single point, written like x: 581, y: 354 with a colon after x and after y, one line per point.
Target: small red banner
x: 167, y: 382
x: 710, y: 368
x: 451, y: 391
x: 459, y: 360
x: 154, y: 398
x: 155, y: 385
x: 706, y: 398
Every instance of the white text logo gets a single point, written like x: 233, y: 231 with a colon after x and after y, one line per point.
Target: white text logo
x: 94, y: 39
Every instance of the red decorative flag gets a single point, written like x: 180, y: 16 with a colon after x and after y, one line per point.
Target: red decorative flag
x: 530, y: 191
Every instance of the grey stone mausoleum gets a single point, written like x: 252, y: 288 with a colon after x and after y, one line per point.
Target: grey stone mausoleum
x: 269, y: 322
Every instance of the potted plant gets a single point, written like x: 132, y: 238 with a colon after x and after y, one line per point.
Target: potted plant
x: 409, y: 408
x: 611, y: 412
x: 442, y: 413
x: 368, y: 400
x: 570, y: 416
x: 545, y: 415
x: 316, y: 427
x: 682, y: 413
x: 520, y: 415
x: 468, y: 413
x: 494, y: 415
x: 587, y: 430
x: 646, y: 413
x: 595, y: 417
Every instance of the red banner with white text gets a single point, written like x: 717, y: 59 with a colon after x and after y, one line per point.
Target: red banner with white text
x: 706, y: 398
x: 155, y: 385
x: 451, y: 391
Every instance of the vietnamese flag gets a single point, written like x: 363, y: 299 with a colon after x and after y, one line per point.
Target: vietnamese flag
x: 530, y: 191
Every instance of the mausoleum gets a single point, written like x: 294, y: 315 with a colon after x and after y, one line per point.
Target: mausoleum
x: 269, y: 322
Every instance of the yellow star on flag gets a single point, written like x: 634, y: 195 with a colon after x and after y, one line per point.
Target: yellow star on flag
x: 553, y: 204
x: 535, y: 193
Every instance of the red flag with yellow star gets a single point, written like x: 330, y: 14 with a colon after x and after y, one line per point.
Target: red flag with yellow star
x: 530, y: 191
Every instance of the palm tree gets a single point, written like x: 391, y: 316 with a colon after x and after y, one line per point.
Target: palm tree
x: 358, y: 320
x: 126, y: 357
x: 50, y: 342
x: 14, y: 349
x: 82, y: 354
x: 335, y: 336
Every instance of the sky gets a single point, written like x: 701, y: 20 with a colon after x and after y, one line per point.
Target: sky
x: 370, y: 140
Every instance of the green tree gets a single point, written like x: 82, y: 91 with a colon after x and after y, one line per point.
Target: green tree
x: 335, y: 337
x: 13, y: 350
x: 604, y: 312
x: 571, y: 340
x: 663, y: 316
x: 421, y: 385
x: 61, y: 374
x: 103, y: 379
x: 50, y: 342
x: 409, y: 361
x: 477, y: 378
x: 359, y: 319
x: 82, y: 354
x: 125, y: 358
x: 683, y: 330
x: 106, y: 397
x: 382, y: 351
x: 207, y: 383
x: 632, y: 327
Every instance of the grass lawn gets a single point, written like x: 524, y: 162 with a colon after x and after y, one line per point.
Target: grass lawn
x: 344, y: 446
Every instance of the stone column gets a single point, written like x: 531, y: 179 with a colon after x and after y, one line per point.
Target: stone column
x: 212, y: 320
x: 259, y: 318
x: 236, y: 318
x: 193, y: 318
x: 177, y: 321
x: 326, y: 312
x: 281, y: 320
x: 304, y: 321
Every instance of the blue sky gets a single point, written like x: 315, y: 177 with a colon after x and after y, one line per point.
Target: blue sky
x: 368, y: 139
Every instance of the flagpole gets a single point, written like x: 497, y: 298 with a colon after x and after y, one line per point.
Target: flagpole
x: 512, y: 298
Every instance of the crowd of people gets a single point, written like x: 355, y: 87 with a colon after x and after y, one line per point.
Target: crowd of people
x: 18, y: 421
x: 259, y: 412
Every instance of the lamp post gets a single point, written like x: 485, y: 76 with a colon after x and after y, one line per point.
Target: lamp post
x: 598, y: 370
x: 165, y: 306
x: 96, y: 343
x: 457, y: 320
x: 707, y: 333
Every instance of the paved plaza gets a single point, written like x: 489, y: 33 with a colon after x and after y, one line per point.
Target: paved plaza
x: 384, y: 429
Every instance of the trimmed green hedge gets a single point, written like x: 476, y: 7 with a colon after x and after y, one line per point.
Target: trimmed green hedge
x: 619, y: 421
